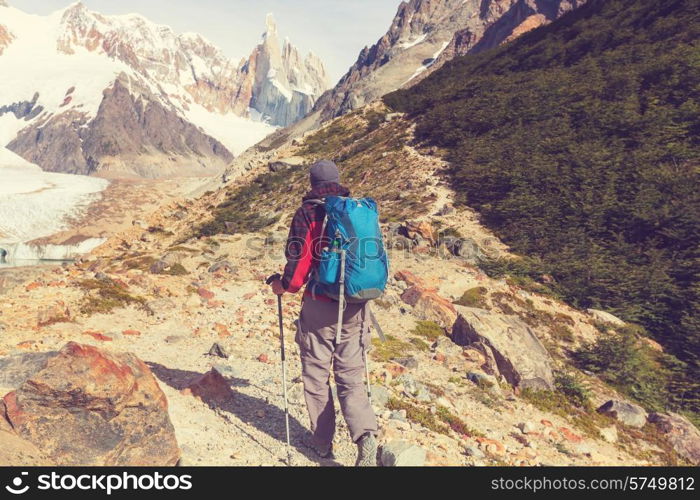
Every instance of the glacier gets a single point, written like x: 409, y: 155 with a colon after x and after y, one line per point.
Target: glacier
x: 35, y: 204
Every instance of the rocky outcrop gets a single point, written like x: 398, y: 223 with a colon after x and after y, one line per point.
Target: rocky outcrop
x: 606, y: 317
x: 681, y: 433
x: 519, y: 355
x: 429, y: 306
x: 92, y: 407
x: 284, y: 86
x: 427, y: 33
x: 627, y: 413
x: 123, y: 139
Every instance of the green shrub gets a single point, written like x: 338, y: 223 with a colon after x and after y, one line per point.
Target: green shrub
x: 630, y: 366
x: 474, y: 297
x: 428, y: 329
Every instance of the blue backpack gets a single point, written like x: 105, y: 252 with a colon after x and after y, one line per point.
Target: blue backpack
x: 353, y: 266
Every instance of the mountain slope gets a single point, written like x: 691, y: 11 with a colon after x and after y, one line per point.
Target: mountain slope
x: 424, y: 35
x: 578, y: 144
x: 61, y: 69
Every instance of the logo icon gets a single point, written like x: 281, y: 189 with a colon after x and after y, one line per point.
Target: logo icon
x: 17, y: 483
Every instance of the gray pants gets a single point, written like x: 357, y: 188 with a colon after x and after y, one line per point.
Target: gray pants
x: 316, y: 338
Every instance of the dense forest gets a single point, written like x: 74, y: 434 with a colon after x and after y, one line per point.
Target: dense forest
x: 579, y: 144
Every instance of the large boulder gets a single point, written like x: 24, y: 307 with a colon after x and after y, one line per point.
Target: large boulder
x: 520, y: 356
x: 90, y: 407
x: 627, y: 413
x: 430, y: 306
x: 681, y: 433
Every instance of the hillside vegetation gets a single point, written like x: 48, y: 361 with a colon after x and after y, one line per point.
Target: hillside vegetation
x: 579, y: 145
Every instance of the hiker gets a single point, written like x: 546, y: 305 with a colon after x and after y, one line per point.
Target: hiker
x: 317, y: 328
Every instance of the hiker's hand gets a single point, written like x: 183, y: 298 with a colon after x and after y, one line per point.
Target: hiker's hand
x: 277, y: 287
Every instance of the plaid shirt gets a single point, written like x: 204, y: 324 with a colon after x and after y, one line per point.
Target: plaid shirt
x: 305, y: 239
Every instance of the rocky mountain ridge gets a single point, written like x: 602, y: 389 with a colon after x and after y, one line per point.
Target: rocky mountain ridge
x: 208, y: 106
x: 424, y: 35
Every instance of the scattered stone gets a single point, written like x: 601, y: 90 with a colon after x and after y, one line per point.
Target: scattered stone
x: 519, y: 355
x: 89, y: 407
x: 134, y: 333
x: 222, y: 266
x: 380, y: 395
x: 174, y: 339
x: 222, y: 330
x: 680, y: 433
x: 399, y: 415
x: 419, y: 230
x: 212, y: 388
x: 409, y: 362
x: 218, y: 350
x: 277, y: 166
x: 527, y: 427
x: 159, y: 307
x: 98, y: 336
x: 206, y: 294
x: 627, y: 413
x: 402, y: 454
x: 606, y: 317
x: 263, y: 358
x: 465, y: 248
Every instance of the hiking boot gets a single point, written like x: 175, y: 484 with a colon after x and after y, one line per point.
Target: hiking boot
x: 367, y: 451
x: 324, y: 450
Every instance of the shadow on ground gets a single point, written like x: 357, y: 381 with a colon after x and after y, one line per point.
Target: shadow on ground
x: 246, y: 408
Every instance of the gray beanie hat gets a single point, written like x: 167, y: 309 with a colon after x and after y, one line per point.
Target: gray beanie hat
x: 324, y: 171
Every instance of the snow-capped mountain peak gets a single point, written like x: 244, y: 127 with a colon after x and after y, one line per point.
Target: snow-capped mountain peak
x: 59, y: 71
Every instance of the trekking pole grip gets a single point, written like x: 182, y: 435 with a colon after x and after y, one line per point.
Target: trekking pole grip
x: 272, y: 278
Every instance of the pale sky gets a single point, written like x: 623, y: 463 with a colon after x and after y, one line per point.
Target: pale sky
x: 336, y: 30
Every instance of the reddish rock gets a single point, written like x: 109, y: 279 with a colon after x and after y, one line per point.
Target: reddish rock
x: 135, y: 333
x: 214, y: 304
x: 270, y: 302
x: 206, y: 294
x: 89, y: 407
x: 422, y: 229
x: 98, y: 336
x: 222, y: 330
x: 569, y: 435
x: 440, y: 357
x: 546, y: 423
x: 491, y: 446
x: 409, y: 278
x: 32, y: 286
x: 212, y: 388
x: 249, y: 296
x: 263, y: 358
x: 395, y: 369
x: 428, y: 305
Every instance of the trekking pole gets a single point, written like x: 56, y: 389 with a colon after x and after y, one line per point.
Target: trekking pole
x: 284, y: 370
